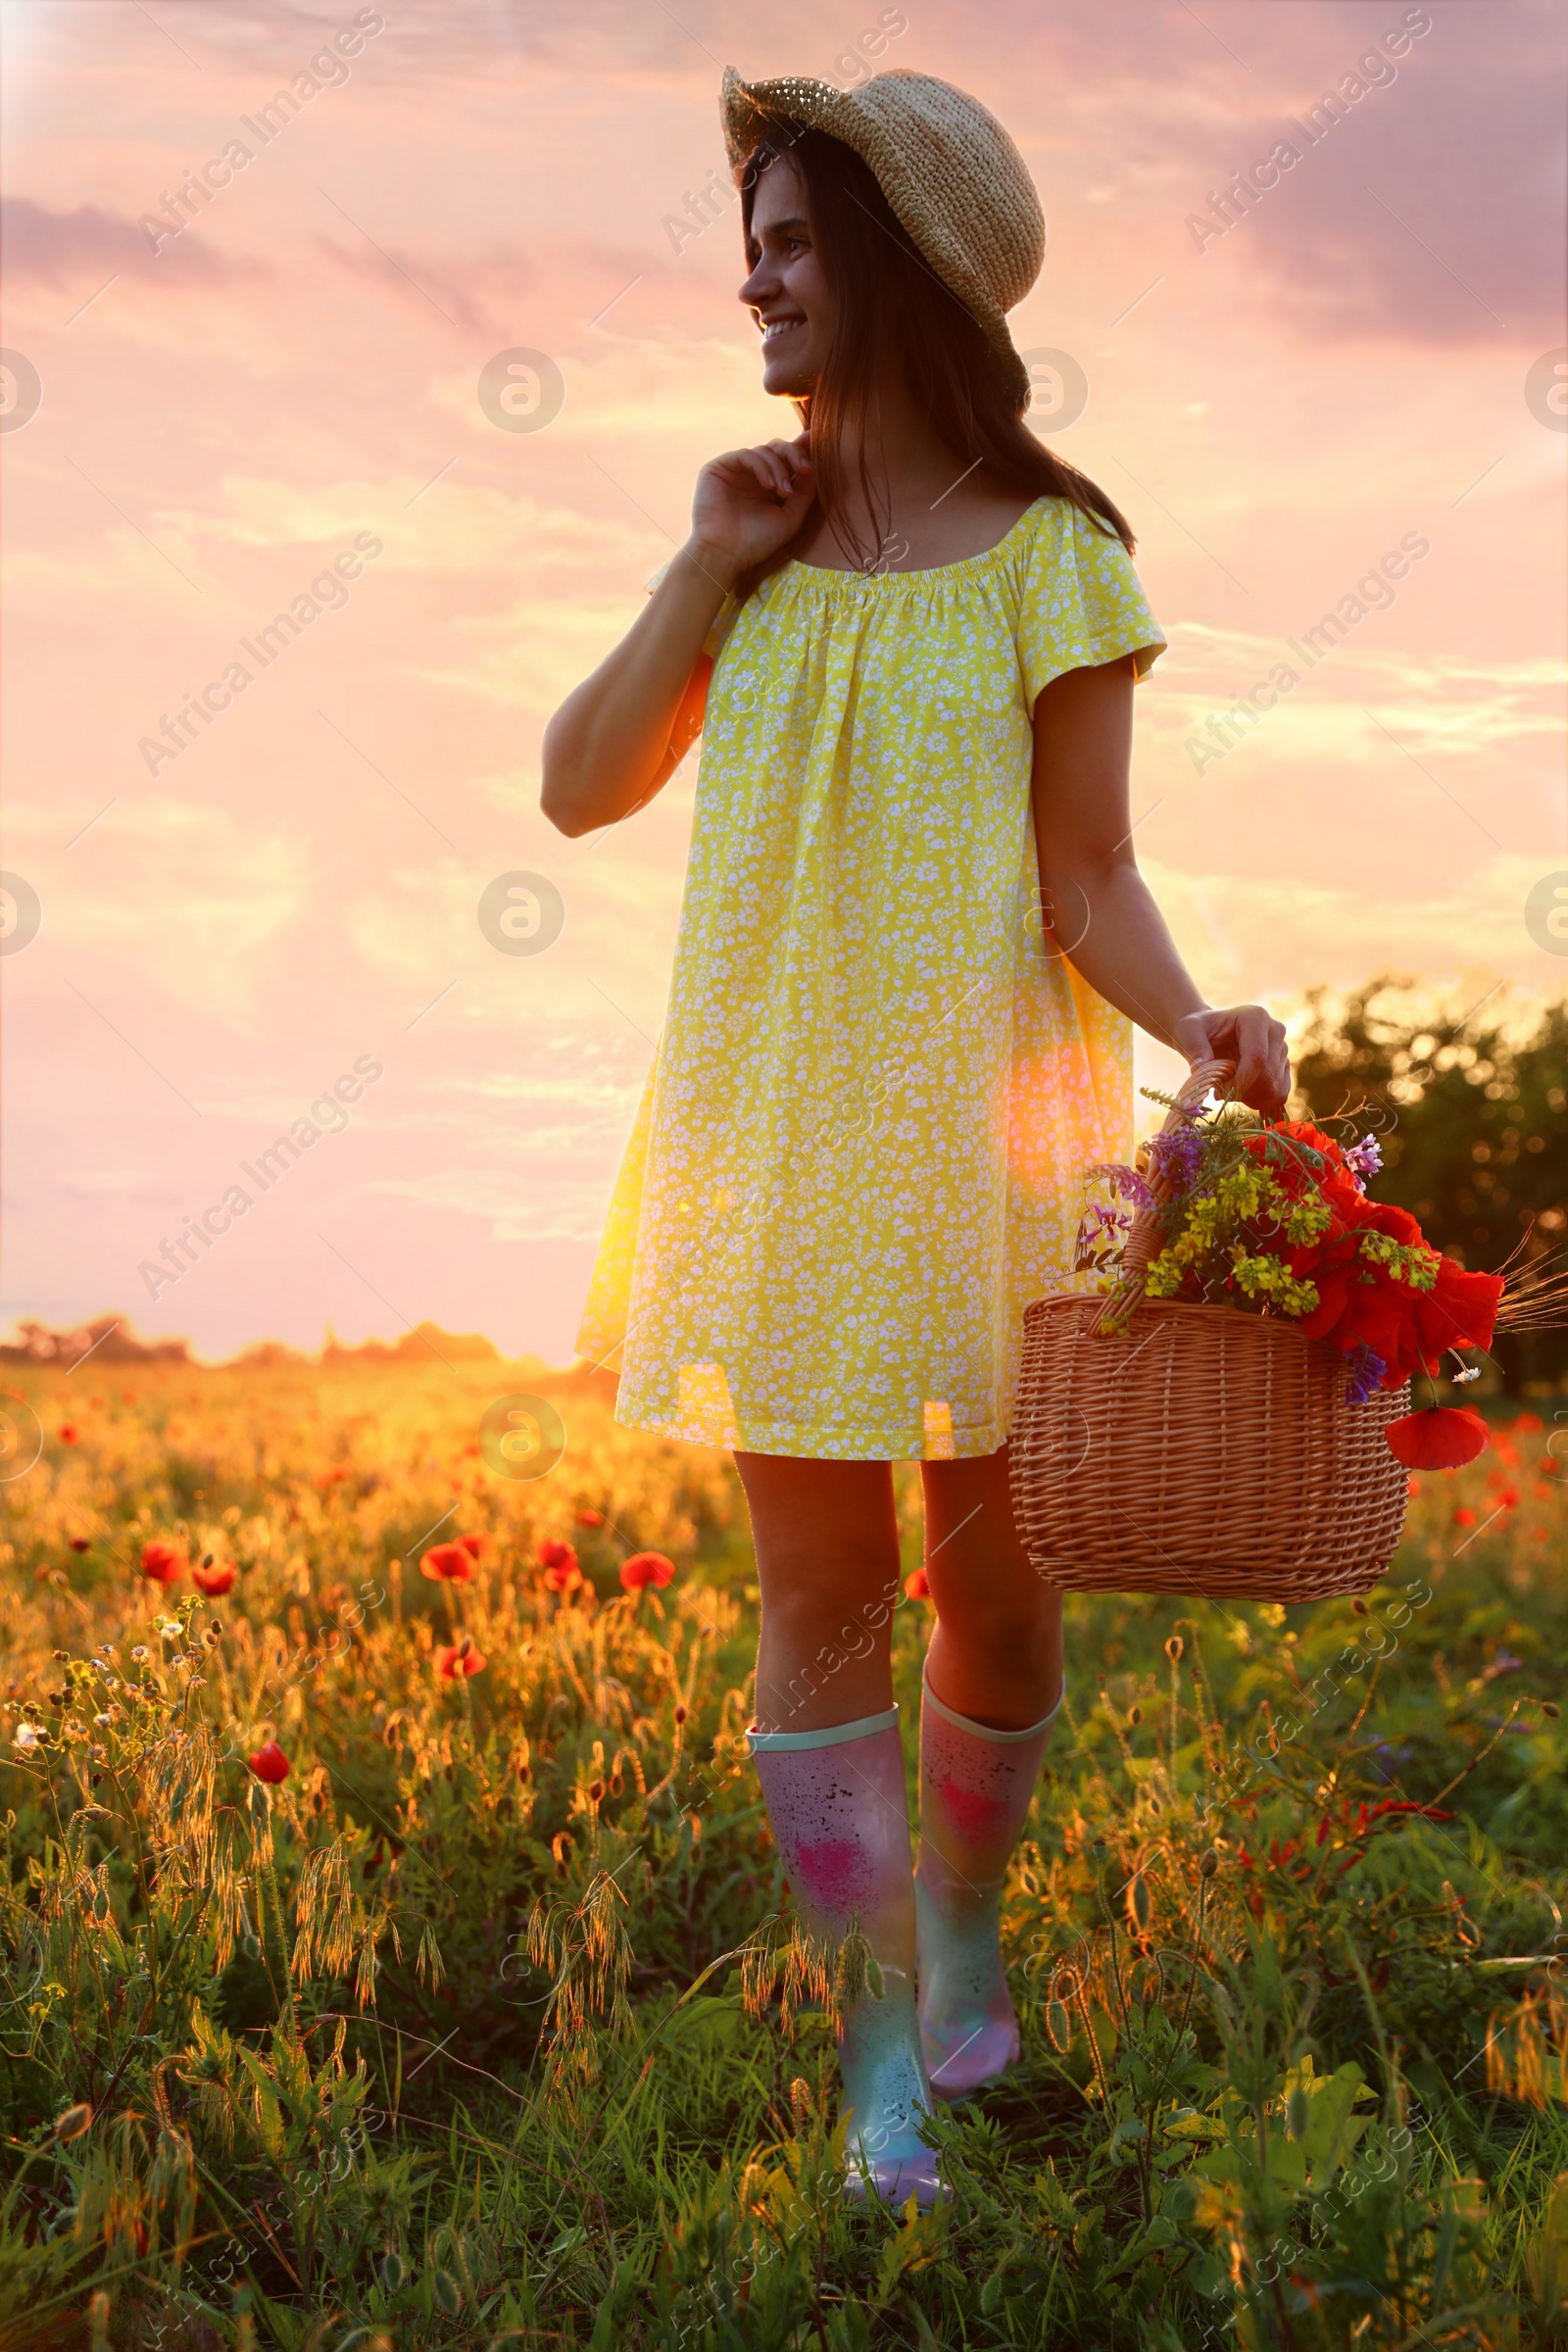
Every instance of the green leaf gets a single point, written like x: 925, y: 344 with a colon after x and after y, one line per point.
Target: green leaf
x: 1185, y: 2122
x: 1549, y: 2258
x: 906, y: 2249
x: 1332, y: 2131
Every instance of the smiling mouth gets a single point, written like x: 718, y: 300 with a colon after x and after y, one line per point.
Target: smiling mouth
x: 779, y: 326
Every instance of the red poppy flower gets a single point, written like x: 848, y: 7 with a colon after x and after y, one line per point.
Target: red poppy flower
x: 1290, y: 1169
x: 917, y: 1585
x: 475, y: 1546
x: 587, y: 1518
x: 268, y: 1763
x: 68, y: 1433
x: 161, y: 1563
x: 1464, y: 1516
x: 459, y: 1660
x: 215, y: 1581
x: 559, y: 1561
x: 1361, y: 1301
x: 81, y: 1543
x: 562, y: 1573
x: 1441, y: 1437
x: 448, y: 1564
x: 646, y: 1568
x: 1458, y: 1312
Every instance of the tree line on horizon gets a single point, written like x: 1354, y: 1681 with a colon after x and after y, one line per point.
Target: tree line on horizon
x: 1471, y: 1121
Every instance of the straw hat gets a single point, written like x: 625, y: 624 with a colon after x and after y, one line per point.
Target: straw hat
x: 948, y: 170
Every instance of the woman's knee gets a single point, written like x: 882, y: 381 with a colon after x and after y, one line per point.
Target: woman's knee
x: 1003, y: 1621
x: 846, y: 1615
x: 827, y: 1545
x: 820, y: 1658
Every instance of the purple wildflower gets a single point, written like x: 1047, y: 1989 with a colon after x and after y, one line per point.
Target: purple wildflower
x: 1124, y: 1182
x: 1177, y: 1158
x: 1101, y: 1232
x: 1366, y: 1370
x: 1364, y: 1159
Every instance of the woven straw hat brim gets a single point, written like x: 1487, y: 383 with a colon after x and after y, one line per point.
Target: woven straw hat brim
x: 949, y: 172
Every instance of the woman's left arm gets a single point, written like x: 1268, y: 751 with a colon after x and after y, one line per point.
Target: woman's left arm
x: 1100, y: 912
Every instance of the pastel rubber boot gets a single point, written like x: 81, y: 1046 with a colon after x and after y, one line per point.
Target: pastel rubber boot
x: 975, y: 1791
x: 840, y: 1820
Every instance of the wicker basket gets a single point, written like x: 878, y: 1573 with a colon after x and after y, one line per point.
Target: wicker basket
x: 1201, y: 1450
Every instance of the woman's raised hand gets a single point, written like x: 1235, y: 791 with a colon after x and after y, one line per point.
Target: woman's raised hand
x: 749, y: 504
x: 620, y: 735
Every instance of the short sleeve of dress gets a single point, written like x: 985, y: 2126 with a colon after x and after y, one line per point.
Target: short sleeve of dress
x: 723, y: 619
x: 1082, y: 604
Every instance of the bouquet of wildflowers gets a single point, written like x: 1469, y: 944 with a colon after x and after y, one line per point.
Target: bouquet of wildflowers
x: 1272, y: 1217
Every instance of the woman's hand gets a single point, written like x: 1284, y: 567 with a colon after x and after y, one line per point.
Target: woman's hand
x: 1248, y: 1036
x: 749, y: 504
x: 620, y: 734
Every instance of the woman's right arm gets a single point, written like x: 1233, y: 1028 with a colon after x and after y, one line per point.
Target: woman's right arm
x: 622, y: 733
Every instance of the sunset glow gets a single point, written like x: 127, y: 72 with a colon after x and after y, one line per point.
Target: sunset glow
x: 352, y: 419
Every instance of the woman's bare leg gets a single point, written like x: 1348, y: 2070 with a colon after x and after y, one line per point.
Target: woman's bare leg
x: 996, y: 1653
x: 827, y: 1563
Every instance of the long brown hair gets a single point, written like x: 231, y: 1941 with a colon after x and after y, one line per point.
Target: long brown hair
x: 892, y: 311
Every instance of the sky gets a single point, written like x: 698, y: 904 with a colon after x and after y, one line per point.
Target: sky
x: 305, y: 378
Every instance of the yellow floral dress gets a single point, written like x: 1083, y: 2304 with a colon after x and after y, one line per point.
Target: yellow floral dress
x: 859, y: 1149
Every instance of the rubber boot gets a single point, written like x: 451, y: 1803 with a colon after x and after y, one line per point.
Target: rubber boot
x: 840, y: 1820
x: 975, y: 1791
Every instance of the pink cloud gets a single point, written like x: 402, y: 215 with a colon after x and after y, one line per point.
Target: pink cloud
x: 46, y: 247
x: 1276, y: 413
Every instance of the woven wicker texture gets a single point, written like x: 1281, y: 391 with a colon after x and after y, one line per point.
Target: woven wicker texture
x: 1199, y: 1450
x: 950, y: 173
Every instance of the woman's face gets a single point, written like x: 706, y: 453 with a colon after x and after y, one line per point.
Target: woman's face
x: 788, y: 289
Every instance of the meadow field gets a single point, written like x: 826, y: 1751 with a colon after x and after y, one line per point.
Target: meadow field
x: 486, y: 2024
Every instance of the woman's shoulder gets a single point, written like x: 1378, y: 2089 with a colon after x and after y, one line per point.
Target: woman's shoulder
x: 1058, y: 523
x: 1060, y: 540
x: 1080, y: 602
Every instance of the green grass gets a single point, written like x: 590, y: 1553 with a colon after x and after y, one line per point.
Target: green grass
x: 476, y: 2028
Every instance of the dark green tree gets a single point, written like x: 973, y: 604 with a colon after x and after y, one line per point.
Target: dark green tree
x: 1474, y: 1136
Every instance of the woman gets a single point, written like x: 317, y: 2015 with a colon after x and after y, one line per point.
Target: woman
x: 912, y: 943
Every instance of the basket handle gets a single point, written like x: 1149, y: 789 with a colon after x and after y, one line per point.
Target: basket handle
x: 1144, y: 1233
